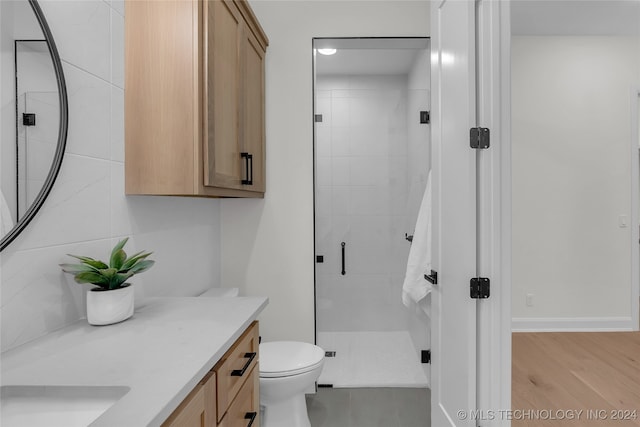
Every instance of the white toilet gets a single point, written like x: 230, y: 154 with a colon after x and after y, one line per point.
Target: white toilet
x: 287, y: 370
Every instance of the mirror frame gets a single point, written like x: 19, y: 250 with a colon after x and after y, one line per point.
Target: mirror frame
x: 62, y: 132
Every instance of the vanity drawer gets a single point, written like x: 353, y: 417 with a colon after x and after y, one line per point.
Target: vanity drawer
x: 245, y: 409
x: 235, y: 367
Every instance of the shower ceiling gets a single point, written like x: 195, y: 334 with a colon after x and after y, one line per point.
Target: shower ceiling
x: 368, y: 56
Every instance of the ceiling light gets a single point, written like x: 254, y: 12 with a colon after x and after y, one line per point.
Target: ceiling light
x: 326, y: 51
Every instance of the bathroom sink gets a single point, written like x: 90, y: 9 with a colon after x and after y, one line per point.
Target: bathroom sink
x: 54, y: 406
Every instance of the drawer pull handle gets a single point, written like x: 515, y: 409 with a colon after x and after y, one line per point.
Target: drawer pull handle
x: 251, y: 416
x: 240, y: 372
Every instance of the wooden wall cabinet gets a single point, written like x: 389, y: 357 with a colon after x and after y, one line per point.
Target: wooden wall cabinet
x: 194, y: 98
x: 229, y: 395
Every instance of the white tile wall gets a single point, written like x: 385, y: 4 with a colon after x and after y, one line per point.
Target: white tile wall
x: 366, y: 147
x: 87, y: 211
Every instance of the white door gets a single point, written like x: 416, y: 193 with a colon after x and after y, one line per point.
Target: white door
x: 453, y: 394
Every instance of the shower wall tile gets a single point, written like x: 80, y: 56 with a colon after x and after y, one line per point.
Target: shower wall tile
x: 365, y: 108
x: 369, y: 201
x: 323, y: 141
x: 340, y: 139
x: 339, y: 111
x: 340, y: 171
x: 332, y: 83
x: 370, y: 171
x: 322, y: 94
x: 323, y: 171
x: 341, y: 93
x: 341, y: 197
x: 368, y: 140
x: 324, y: 201
x: 368, y: 205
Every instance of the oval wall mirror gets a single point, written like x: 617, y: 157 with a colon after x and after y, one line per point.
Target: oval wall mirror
x: 33, y: 122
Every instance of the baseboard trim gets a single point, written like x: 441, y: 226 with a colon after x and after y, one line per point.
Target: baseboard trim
x: 572, y: 324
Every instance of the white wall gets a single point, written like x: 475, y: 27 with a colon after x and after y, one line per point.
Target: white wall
x: 87, y: 212
x: 268, y: 244
x: 571, y: 179
x: 361, y: 199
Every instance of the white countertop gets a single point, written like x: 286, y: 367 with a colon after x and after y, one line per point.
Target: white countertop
x: 161, y: 353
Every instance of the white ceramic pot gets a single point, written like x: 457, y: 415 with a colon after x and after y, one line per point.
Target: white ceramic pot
x: 107, y: 307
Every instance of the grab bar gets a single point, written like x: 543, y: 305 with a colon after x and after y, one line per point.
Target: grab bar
x: 343, y: 244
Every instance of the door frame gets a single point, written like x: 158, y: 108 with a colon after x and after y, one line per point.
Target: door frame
x: 494, y: 211
x: 493, y: 352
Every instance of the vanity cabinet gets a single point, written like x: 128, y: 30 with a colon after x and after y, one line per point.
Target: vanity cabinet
x: 229, y: 395
x: 194, y: 98
x: 238, y: 376
x: 198, y: 409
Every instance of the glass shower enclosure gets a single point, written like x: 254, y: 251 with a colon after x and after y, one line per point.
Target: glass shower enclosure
x: 372, y: 156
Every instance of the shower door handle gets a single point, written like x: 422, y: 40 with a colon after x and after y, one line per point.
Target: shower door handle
x: 343, y: 244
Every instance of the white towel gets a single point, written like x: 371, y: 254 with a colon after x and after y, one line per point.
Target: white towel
x: 6, y: 222
x: 415, y: 286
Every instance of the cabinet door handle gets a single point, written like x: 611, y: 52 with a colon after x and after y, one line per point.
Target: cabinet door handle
x: 343, y: 272
x: 240, y: 372
x: 248, y: 162
x: 251, y: 416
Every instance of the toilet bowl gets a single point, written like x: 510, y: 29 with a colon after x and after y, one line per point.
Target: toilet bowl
x: 287, y: 370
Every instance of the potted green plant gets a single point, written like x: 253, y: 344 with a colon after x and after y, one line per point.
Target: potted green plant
x: 111, y: 301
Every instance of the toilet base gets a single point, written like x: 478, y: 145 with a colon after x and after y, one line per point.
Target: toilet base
x: 290, y: 412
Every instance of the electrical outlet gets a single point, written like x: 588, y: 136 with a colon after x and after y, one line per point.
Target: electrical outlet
x: 529, y: 300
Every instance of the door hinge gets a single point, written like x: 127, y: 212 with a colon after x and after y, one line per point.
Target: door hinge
x: 479, y: 138
x: 480, y: 288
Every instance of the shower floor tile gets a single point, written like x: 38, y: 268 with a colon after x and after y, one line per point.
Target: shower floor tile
x: 371, y: 359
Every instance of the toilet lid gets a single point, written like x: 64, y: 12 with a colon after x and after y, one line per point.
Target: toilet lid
x: 285, y: 358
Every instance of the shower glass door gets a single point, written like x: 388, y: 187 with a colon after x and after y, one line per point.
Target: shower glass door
x: 372, y: 157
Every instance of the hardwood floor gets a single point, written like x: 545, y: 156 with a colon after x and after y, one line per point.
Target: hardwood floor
x: 557, y: 375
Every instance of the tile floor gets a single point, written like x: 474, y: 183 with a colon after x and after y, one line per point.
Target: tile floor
x: 370, y: 407
x: 371, y: 359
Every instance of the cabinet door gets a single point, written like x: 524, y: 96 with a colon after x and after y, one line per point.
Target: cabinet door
x: 252, y: 108
x: 198, y: 409
x: 191, y: 412
x: 222, y: 160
